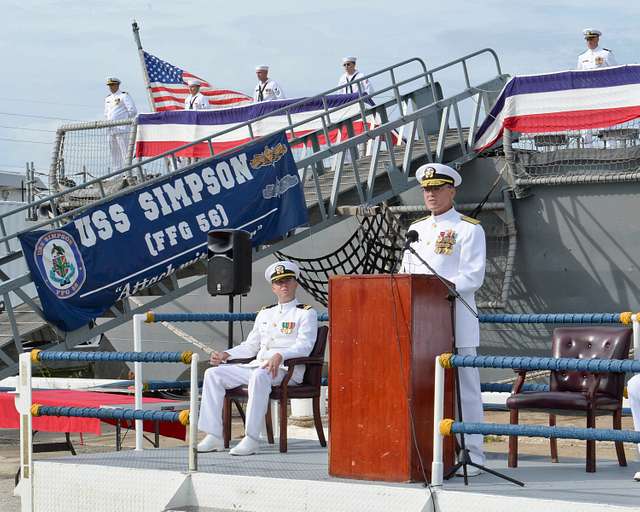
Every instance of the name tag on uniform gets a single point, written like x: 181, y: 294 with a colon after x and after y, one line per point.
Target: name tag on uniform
x: 287, y: 327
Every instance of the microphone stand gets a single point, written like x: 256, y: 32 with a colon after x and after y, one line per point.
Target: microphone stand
x: 464, y: 458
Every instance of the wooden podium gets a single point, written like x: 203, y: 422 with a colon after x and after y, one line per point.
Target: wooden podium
x: 385, y: 333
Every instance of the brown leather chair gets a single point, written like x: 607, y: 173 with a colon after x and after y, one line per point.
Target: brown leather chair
x: 572, y: 393
x: 308, y: 388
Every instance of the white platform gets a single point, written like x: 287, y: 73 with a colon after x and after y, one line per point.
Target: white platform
x: 156, y: 480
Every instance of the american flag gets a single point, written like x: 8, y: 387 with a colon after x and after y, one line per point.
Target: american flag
x: 169, y: 89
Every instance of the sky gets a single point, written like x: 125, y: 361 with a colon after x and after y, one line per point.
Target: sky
x: 56, y: 55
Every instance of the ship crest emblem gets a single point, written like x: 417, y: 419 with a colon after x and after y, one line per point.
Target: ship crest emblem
x: 445, y: 242
x: 287, y: 327
x: 269, y: 156
x: 60, y: 263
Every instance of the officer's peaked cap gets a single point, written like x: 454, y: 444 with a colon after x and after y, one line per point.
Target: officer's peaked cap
x: 591, y: 32
x: 435, y: 175
x: 112, y: 80
x: 281, y: 270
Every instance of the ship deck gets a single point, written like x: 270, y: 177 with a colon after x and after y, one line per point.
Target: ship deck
x: 157, y: 480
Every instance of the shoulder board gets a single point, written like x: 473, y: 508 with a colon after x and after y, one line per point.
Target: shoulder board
x: 125, y: 92
x: 469, y: 219
x: 268, y: 307
x: 421, y: 218
x: 303, y: 306
x: 607, y: 49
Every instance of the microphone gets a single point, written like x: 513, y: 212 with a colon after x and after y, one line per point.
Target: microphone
x: 412, y: 236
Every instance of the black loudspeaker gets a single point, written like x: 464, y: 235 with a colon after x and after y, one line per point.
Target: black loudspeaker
x: 228, y: 262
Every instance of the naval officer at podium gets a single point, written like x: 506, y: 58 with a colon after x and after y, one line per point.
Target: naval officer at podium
x: 454, y: 246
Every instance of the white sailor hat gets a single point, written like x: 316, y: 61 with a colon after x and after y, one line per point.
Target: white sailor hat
x: 434, y: 175
x: 591, y: 32
x: 112, y: 80
x: 262, y: 67
x: 193, y: 82
x: 280, y: 270
x: 349, y: 59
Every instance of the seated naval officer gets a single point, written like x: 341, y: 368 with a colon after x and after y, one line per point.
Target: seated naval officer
x: 595, y: 57
x: 195, y: 100
x: 633, y: 389
x: 266, y: 89
x: 454, y: 246
x: 350, y: 75
x: 281, y: 331
x: 118, y: 105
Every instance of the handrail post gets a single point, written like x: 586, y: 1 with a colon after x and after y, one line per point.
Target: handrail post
x: 23, y: 406
x: 137, y: 372
x: 438, y: 413
x: 635, y: 322
x: 193, y: 415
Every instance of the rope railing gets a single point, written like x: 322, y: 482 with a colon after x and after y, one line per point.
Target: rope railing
x: 104, y: 413
x: 541, y: 363
x: 449, y: 427
x: 499, y: 387
x: 518, y: 318
x: 141, y: 357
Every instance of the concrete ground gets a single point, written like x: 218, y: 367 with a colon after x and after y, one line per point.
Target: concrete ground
x: 9, y: 441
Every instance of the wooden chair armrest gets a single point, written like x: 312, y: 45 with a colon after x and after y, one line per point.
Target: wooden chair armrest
x: 517, y: 385
x: 240, y: 360
x: 296, y: 361
x: 303, y: 360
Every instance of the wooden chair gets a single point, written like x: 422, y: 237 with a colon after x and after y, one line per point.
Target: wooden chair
x: 572, y: 393
x: 308, y: 388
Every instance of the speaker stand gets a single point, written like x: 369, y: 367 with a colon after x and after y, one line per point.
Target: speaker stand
x: 230, y: 324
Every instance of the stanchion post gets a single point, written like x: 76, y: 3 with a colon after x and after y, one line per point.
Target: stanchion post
x: 437, y: 467
x: 137, y: 370
x: 23, y: 406
x: 193, y: 415
x: 636, y: 336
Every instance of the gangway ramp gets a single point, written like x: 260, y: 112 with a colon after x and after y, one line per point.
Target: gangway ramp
x: 408, y: 121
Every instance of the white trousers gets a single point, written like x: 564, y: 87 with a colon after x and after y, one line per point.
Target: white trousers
x: 118, y: 143
x: 633, y: 388
x: 471, y: 399
x: 218, y: 379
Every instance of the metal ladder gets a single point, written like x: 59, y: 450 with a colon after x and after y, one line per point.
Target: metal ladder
x: 413, y: 123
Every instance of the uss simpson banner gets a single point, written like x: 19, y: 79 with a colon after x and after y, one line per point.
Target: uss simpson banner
x: 125, y: 245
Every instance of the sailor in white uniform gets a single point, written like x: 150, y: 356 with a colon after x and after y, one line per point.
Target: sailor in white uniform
x: 195, y: 100
x: 454, y: 245
x: 266, y: 89
x: 633, y: 389
x: 349, y: 77
x: 118, y: 105
x: 281, y: 331
x: 595, y: 57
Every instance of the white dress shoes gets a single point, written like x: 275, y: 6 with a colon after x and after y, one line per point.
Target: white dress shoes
x: 247, y: 446
x: 636, y: 477
x: 211, y: 443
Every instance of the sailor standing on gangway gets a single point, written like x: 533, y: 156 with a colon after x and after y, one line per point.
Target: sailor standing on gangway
x: 349, y: 77
x: 118, y: 105
x: 195, y: 100
x: 595, y: 57
x: 266, y: 89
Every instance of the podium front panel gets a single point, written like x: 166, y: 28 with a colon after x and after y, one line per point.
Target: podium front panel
x: 385, y: 332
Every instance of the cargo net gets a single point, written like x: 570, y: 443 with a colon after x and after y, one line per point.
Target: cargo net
x: 376, y: 248
x: 592, y: 152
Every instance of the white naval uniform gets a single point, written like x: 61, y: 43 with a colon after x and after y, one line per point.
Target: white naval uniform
x: 352, y: 88
x: 119, y: 105
x: 464, y: 267
x: 598, y: 58
x: 268, y: 91
x: 289, y: 329
x: 633, y: 390
x: 196, y: 102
